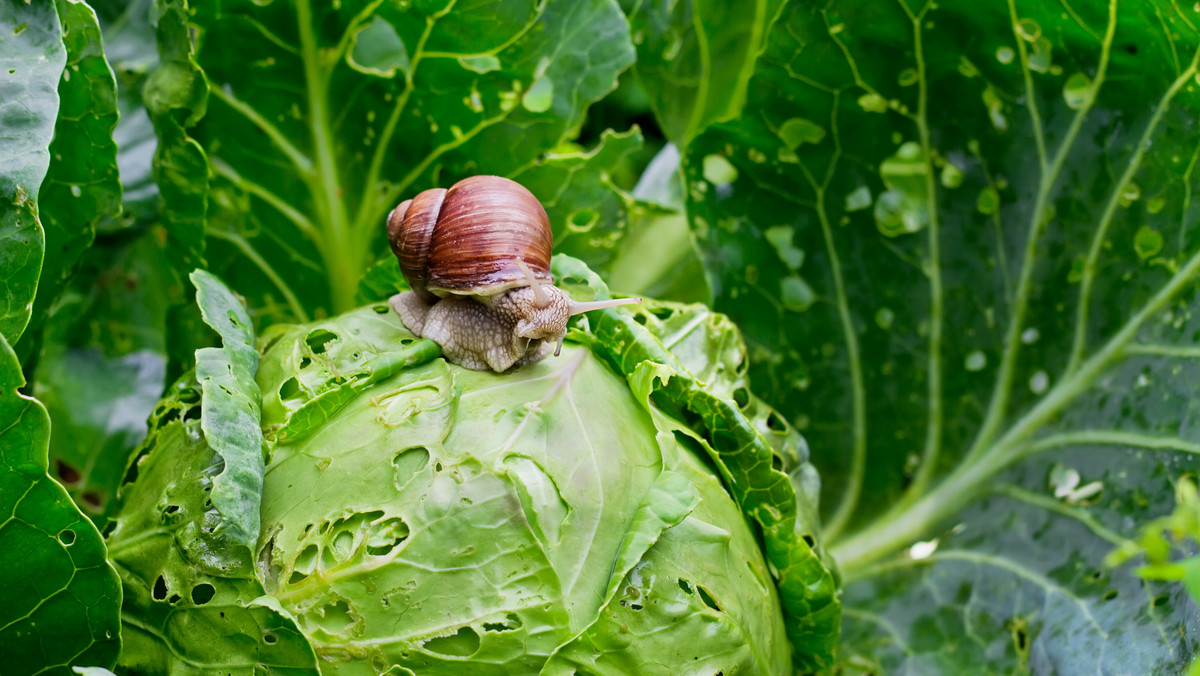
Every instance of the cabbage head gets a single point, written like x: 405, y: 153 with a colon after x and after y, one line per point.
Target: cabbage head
x: 620, y: 509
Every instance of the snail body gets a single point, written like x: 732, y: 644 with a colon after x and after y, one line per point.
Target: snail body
x: 477, y: 258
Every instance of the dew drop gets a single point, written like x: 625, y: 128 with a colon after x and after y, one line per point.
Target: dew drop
x: 1004, y: 55
x: 908, y: 77
x: 76, y: 191
x: 1030, y: 336
x: 1029, y: 29
x: 1039, y: 382
x: 884, y: 318
x: 975, y: 361
x: 1077, y: 91
x: 873, y: 103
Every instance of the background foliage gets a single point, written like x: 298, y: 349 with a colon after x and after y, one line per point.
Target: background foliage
x: 959, y: 240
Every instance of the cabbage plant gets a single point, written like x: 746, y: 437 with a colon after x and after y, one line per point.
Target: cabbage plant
x: 944, y: 253
x: 420, y: 517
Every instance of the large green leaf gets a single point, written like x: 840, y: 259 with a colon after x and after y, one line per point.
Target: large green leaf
x: 959, y: 238
x: 695, y: 58
x: 31, y: 59
x: 61, y: 597
x: 175, y: 96
x: 82, y: 185
x: 323, y: 117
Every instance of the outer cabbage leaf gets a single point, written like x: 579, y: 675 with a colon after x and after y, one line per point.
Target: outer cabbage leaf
x: 746, y: 461
x: 82, y: 185
x: 31, y: 58
x: 62, y: 598
x: 959, y: 239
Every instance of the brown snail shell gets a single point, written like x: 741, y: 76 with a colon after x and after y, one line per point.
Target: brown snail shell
x: 468, y: 239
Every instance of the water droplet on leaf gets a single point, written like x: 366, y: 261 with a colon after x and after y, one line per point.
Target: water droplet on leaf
x: 975, y: 361
x: 1147, y: 242
x: 1004, y: 55
x: 1077, y: 91
x: 1039, y: 382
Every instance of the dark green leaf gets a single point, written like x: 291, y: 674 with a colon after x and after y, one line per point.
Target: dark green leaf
x: 231, y: 409
x: 31, y: 59
x: 588, y: 212
x: 61, y: 597
x: 82, y: 185
x: 102, y: 367
x: 370, y: 103
x: 695, y: 58
x: 932, y: 223
x: 175, y: 97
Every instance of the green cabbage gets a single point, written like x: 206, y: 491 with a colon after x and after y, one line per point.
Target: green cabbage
x: 418, y: 517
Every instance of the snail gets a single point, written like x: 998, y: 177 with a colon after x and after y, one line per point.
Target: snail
x: 477, y: 258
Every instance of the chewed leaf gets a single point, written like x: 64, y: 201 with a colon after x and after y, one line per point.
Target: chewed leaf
x: 62, y: 599
x: 743, y: 457
x: 231, y: 408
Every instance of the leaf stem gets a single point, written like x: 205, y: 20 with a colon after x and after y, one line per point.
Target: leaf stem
x: 858, y: 458
x: 343, y: 260
x: 898, y: 528
x: 933, y: 269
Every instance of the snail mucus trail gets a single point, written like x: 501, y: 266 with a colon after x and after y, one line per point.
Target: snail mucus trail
x: 477, y: 258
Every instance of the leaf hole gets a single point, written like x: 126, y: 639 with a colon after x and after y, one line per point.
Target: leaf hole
x: 381, y: 309
x: 708, y: 599
x: 641, y: 318
x: 93, y: 501
x: 203, y: 593
x: 463, y: 643
x: 269, y: 638
x: 290, y: 389
x: 173, y: 599
x: 776, y: 463
x: 509, y: 623
x: 66, y: 537
x: 1109, y: 595
x: 69, y: 475
x: 159, y: 593
x: 1159, y: 600
x: 192, y: 413
x: 808, y: 540
x: 318, y: 340
x: 741, y: 397
x: 775, y: 422
x: 686, y: 586
x: 305, y: 362
x: 408, y: 462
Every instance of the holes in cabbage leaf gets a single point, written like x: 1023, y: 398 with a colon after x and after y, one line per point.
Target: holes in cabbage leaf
x: 159, y: 593
x: 708, y: 599
x: 408, y: 462
x: 318, y: 340
x: 380, y: 309
x: 269, y: 638
x: 290, y: 389
x: 776, y: 423
x: 509, y: 623
x: 69, y: 475
x: 1109, y: 595
x: 203, y: 593
x: 305, y: 362
x: 741, y: 396
x: 1159, y: 601
x: 93, y: 500
x: 808, y: 540
x: 463, y: 643
x: 386, y: 536
x: 66, y: 537
x: 686, y: 586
